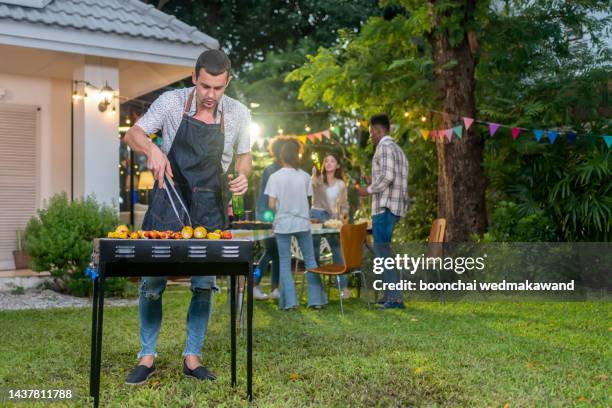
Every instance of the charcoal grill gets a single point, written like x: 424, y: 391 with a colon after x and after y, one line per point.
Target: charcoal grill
x: 157, y: 257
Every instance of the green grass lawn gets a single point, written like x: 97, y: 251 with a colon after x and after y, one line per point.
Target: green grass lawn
x: 455, y: 354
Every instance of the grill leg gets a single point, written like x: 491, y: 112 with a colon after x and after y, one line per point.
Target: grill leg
x: 250, y: 334
x: 233, y: 326
x: 94, y: 337
x: 241, y: 283
x: 99, y: 339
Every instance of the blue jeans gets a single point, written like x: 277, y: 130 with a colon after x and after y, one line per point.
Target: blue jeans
x: 270, y: 255
x: 382, y: 231
x: 288, y: 298
x: 150, y: 311
x: 333, y: 241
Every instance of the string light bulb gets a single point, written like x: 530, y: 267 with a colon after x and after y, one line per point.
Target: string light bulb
x: 307, y: 128
x: 76, y: 96
x: 128, y: 121
x: 423, y: 119
x: 406, y: 114
x: 280, y: 131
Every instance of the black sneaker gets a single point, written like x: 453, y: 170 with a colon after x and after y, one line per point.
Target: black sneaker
x: 140, y: 374
x: 200, y: 373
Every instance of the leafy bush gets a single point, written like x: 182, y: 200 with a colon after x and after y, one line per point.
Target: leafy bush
x: 59, y: 240
x: 509, y: 225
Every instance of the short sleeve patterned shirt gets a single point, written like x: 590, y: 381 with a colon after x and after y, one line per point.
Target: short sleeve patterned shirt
x: 166, y: 113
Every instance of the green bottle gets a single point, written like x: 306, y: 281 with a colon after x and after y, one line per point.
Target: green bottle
x: 237, y: 205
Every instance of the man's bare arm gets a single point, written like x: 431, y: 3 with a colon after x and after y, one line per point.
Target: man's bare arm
x: 157, y: 161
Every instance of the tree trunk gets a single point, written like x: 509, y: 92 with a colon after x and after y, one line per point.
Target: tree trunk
x: 461, y: 178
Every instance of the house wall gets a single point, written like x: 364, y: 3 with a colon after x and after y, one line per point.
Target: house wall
x: 53, y: 96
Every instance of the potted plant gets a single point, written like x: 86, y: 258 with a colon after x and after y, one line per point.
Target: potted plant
x: 21, y: 257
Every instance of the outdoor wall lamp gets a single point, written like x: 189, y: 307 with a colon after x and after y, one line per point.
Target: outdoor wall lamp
x: 106, y: 97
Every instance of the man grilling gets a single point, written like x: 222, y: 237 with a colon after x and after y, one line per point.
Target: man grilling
x: 201, y: 128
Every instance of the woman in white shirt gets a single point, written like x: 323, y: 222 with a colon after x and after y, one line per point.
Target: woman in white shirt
x: 329, y: 201
x: 288, y: 190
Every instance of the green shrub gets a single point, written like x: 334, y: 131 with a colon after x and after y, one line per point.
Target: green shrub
x: 59, y: 240
x: 509, y: 225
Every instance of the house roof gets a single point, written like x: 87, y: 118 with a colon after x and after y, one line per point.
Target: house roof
x: 125, y: 17
x: 106, y: 21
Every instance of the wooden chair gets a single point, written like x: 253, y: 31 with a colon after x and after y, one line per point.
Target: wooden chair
x: 436, y: 237
x: 352, y: 238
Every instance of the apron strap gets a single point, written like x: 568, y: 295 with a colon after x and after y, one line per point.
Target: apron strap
x: 169, y: 182
x: 222, y: 122
x: 189, y: 101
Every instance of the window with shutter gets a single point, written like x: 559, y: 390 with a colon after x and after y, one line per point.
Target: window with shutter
x: 18, y: 175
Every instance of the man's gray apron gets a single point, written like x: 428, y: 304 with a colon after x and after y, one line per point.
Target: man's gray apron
x: 201, y: 184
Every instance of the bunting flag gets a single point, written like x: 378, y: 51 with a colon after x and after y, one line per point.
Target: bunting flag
x: 326, y: 134
x: 493, y: 128
x: 449, y: 134
x: 311, y: 138
x: 458, y: 131
x: 538, y: 134
x: 551, y: 135
x: 302, y: 139
x: 467, y: 122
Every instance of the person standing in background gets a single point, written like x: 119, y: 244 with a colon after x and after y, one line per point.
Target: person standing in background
x: 270, y: 250
x: 329, y: 201
x: 389, y: 190
x: 288, y: 190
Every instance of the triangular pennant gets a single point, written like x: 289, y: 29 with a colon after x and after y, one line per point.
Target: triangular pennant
x: 441, y: 134
x: 571, y: 137
x: 449, y: 134
x: 318, y: 136
x: 302, y: 139
x: 538, y: 134
x: 608, y: 140
x: 515, y: 132
x: 424, y: 133
x: 311, y: 137
x: 325, y: 134
x: 458, y: 131
x: 552, y: 136
x: 493, y: 128
x: 467, y: 122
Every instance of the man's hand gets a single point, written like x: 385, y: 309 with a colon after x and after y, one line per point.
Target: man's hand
x: 159, y: 165
x: 238, y: 185
x: 363, y: 192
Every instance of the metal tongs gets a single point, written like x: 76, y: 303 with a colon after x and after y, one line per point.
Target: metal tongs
x: 170, y: 182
